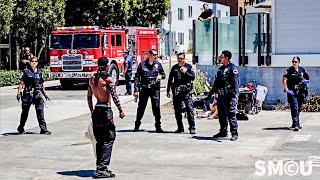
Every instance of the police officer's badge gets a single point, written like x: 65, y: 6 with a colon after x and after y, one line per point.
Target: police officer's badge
x: 235, y: 71
x: 285, y: 72
x: 156, y: 65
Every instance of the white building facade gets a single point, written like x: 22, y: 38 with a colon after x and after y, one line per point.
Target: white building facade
x: 183, y: 13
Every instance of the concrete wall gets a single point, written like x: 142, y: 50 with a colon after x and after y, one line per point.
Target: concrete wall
x: 270, y: 77
x: 296, y: 27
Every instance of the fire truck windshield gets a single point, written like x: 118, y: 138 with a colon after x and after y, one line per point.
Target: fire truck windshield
x: 61, y: 41
x: 86, y: 41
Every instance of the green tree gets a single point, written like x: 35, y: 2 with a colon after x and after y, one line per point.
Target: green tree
x: 116, y: 12
x: 147, y: 12
x: 6, y: 7
x: 33, y: 21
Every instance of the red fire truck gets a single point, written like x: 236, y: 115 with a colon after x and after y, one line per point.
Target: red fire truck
x: 74, y: 51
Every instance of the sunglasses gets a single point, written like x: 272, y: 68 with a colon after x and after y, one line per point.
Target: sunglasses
x: 180, y: 58
x: 295, y: 62
x: 34, y: 61
x: 155, y: 54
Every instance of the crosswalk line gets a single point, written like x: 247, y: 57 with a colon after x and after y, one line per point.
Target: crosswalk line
x: 301, y: 138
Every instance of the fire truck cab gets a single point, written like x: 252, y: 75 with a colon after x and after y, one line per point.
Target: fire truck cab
x: 74, y: 51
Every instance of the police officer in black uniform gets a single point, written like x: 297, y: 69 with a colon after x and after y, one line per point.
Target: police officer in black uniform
x: 180, y: 81
x: 128, y: 71
x: 32, y: 94
x: 27, y: 56
x: 295, y: 82
x: 147, y: 84
x: 226, y: 85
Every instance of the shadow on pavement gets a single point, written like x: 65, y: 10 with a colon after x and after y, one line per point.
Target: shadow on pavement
x: 164, y: 132
x: 16, y: 133
x: 79, y: 173
x: 129, y: 130
x: 210, y: 138
x: 276, y: 128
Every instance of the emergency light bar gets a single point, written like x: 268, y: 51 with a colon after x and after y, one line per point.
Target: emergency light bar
x: 78, y: 28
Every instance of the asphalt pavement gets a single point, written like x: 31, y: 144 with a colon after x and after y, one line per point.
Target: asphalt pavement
x: 264, y: 141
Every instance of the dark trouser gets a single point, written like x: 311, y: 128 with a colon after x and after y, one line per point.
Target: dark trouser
x: 177, y: 101
x: 128, y: 82
x: 227, y: 108
x: 27, y: 100
x: 295, y: 102
x: 154, y: 94
x: 105, y: 135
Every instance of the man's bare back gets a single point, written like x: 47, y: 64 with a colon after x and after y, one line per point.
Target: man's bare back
x: 99, y: 86
x: 103, y: 88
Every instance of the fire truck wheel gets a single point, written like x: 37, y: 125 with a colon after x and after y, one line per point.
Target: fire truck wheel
x: 66, y: 84
x: 114, y: 72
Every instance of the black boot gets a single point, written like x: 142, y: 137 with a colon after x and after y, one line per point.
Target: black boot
x: 159, y: 130
x: 21, y: 130
x: 221, y: 134
x: 136, y: 126
x: 104, y: 174
x: 234, y: 136
x: 179, y: 130
x: 192, y: 130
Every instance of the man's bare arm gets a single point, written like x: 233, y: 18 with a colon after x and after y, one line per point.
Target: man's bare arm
x: 112, y: 88
x: 89, y: 98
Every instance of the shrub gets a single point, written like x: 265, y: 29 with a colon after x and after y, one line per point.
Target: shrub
x: 10, y: 78
x: 312, y: 104
x: 200, y: 83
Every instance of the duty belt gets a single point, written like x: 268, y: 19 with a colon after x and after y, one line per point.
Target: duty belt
x: 224, y: 91
x: 149, y: 86
x: 182, y: 88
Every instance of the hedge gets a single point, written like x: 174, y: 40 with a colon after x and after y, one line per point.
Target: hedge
x: 10, y: 78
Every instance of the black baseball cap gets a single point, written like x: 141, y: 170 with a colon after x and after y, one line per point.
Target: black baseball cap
x: 103, y: 61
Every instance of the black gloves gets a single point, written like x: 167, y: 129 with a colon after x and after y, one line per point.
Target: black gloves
x: 19, y: 96
x: 47, y: 98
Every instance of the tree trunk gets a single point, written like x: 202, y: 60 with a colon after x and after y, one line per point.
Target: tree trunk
x: 17, y: 54
x: 17, y: 51
x: 35, y: 44
x: 42, y: 47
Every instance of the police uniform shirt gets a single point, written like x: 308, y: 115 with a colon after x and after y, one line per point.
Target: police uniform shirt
x: 146, y: 71
x: 30, y: 78
x: 128, y: 63
x: 206, y: 14
x: 227, y: 75
x: 177, y: 77
x: 295, y: 76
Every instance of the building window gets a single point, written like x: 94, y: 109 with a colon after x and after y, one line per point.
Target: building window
x: 180, y: 14
x: 118, y: 40
x: 181, y: 38
x: 227, y: 14
x: 190, y: 34
x: 219, y: 13
x: 190, y: 11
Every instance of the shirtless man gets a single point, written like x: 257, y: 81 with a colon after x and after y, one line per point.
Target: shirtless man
x: 102, y: 86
